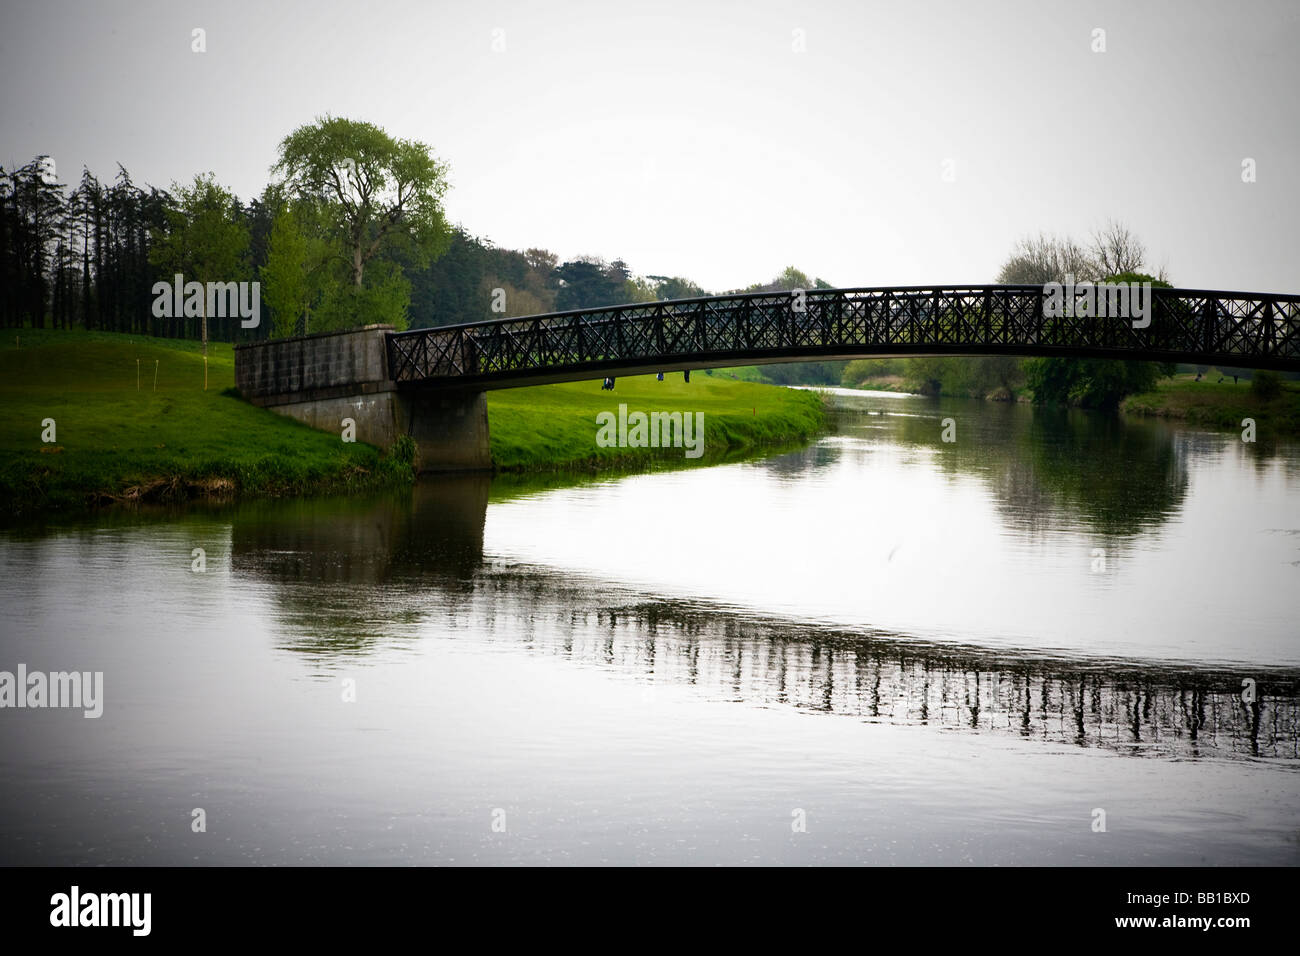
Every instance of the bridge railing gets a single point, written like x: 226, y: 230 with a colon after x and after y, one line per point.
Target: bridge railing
x: 1184, y: 325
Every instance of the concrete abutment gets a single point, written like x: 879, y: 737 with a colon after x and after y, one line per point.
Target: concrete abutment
x: 322, y: 379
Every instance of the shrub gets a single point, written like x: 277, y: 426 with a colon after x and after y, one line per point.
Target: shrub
x: 403, y: 450
x: 1266, y: 386
x: 859, y: 370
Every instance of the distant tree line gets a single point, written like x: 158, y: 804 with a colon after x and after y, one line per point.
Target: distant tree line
x: 77, y: 256
x: 349, y: 232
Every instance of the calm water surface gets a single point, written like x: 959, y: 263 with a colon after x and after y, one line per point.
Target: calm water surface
x: 880, y: 649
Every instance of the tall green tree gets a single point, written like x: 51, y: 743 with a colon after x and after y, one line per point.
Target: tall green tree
x: 381, y: 202
x: 206, y: 240
x: 34, y: 211
x: 287, y: 275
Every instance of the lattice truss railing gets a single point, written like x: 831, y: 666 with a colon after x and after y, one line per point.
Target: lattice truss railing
x: 1187, y: 325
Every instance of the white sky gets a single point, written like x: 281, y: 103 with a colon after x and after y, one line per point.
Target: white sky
x: 688, y: 137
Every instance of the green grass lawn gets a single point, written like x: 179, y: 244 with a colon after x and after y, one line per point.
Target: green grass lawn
x: 554, y: 426
x: 739, y: 373
x: 1219, y: 404
x: 116, y: 441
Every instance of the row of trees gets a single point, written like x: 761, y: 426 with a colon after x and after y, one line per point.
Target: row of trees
x: 90, y: 255
x: 350, y: 231
x: 77, y: 256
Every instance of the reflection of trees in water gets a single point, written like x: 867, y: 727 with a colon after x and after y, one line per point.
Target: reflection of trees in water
x: 1263, y: 454
x: 1119, y: 478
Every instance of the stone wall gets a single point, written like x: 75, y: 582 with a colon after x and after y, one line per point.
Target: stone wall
x: 322, y: 379
x: 308, y: 367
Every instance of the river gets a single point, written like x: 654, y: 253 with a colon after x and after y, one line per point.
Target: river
x: 1056, y: 639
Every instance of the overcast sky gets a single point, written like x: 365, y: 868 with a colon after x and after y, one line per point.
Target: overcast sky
x: 696, y: 138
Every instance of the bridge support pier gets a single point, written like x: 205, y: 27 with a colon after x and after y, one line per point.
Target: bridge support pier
x: 450, y: 429
x: 321, y: 380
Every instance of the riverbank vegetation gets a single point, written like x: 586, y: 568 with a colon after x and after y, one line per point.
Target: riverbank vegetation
x: 94, y: 418
x: 1000, y: 378
x: 1210, y: 399
x: 1198, y: 395
x: 550, y: 427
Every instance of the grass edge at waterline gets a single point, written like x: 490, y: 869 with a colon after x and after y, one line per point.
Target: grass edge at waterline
x: 554, y: 427
x: 131, y: 424
x: 1221, y: 405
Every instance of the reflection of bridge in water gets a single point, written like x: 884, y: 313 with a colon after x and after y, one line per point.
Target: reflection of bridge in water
x: 412, y: 567
x: 1132, y: 707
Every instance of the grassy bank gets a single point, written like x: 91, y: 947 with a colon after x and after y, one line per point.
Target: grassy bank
x: 882, y: 383
x: 172, y: 441
x: 116, y: 441
x: 1213, y: 404
x: 554, y: 426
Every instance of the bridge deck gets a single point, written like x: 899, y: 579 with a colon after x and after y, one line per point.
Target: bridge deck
x: 1180, y: 325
